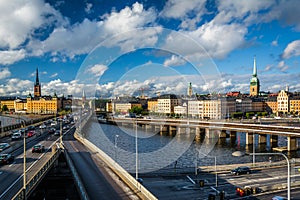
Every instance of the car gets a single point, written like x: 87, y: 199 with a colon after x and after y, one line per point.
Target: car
x: 278, y: 198
x: 66, y: 127
x: 30, y: 133
x: 51, y: 130
x: 241, y: 170
x: 4, y: 146
x: 38, y: 148
x: 31, y: 128
x: 16, y: 136
x: 57, y: 132
x: 6, y: 158
x: 53, y: 123
x: 42, y: 126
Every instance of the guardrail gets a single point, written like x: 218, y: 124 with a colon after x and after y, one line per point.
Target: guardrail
x: 36, y: 175
x: 77, y: 179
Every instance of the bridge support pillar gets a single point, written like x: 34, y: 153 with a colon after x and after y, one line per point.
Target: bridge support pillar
x: 210, y: 133
x: 232, y: 135
x: 197, y: 132
x: 223, y: 134
x: 179, y: 130
x: 262, y: 139
x: 273, y: 140
x: 249, y: 138
x: 292, y: 143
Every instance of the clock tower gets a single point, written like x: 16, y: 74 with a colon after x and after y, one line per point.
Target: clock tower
x: 254, y: 83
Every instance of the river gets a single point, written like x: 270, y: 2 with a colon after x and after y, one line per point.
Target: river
x: 156, y: 152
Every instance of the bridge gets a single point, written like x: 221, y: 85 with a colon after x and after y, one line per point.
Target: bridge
x: 213, y: 129
x: 103, y: 179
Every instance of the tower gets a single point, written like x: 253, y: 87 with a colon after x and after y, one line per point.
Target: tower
x: 190, y: 90
x: 254, y: 83
x: 37, y: 86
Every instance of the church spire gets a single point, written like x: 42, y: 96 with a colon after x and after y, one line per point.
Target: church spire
x: 254, y: 68
x: 37, y: 82
x: 37, y: 86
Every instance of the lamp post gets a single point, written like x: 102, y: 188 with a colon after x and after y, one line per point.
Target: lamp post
x: 288, y: 175
x: 60, y: 138
x: 136, y: 152
x: 116, y: 140
x: 24, y: 166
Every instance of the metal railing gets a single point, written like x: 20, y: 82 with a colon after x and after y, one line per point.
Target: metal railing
x: 35, y: 176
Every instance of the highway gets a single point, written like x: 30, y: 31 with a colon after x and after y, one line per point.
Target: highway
x: 99, y: 181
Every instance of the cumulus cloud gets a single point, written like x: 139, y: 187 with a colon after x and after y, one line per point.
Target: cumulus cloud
x: 4, y: 73
x: 16, y: 87
x: 11, y: 56
x: 282, y: 66
x: 292, y: 49
x: 174, y: 61
x: 18, y: 19
x: 88, y: 8
x: 97, y: 70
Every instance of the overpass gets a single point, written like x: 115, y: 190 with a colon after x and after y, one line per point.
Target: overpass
x: 102, y: 180
x: 213, y: 129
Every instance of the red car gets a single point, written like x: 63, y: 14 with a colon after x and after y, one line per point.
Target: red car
x: 30, y: 133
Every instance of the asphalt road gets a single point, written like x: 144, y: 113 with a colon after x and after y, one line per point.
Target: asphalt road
x: 181, y: 186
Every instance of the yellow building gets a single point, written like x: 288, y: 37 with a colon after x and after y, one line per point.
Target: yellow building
x: 283, y: 102
x: 9, y: 102
x: 271, y: 104
x: 295, y: 105
x: 20, y: 106
x: 152, y: 105
x: 43, y: 105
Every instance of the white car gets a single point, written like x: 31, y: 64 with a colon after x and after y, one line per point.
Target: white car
x: 42, y: 126
x: 16, y: 136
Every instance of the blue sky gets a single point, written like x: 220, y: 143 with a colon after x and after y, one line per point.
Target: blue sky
x: 126, y: 47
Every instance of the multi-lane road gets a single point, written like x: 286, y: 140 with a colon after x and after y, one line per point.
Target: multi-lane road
x: 181, y: 186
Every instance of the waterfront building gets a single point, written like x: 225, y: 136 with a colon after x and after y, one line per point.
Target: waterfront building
x: 271, y: 103
x: 181, y: 110
x: 283, y: 102
x: 43, y: 105
x: 9, y: 102
x: 152, y: 105
x: 212, y: 109
x: 20, y: 105
x: 254, y: 82
x: 166, y: 103
x: 295, y: 104
x: 243, y: 105
x: 124, y: 107
x: 195, y: 108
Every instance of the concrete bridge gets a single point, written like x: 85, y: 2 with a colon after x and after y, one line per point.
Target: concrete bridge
x: 212, y: 129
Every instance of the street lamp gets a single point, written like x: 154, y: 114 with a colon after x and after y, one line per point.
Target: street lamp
x: 288, y: 166
x: 24, y: 166
x: 136, y: 152
x: 116, y: 139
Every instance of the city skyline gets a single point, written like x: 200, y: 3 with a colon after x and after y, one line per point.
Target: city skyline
x: 57, y: 38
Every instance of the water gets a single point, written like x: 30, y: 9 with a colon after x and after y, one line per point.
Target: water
x: 157, y: 152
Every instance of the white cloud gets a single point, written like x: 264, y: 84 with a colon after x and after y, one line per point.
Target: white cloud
x: 88, y: 8
x: 19, y: 18
x: 179, y: 8
x: 54, y: 75
x: 97, y: 70
x: 16, y: 87
x: 274, y: 43
x: 174, y: 61
x: 11, y: 56
x: 292, y: 49
x: 81, y: 38
x: 4, y: 73
x: 282, y: 66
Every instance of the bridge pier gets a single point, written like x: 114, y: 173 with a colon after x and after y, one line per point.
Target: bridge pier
x: 232, y: 135
x: 211, y: 133
x: 223, y: 134
x: 249, y: 138
x: 262, y: 139
x: 273, y: 141
x: 292, y: 144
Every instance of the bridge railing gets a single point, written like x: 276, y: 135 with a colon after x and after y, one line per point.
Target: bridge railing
x: 36, y: 175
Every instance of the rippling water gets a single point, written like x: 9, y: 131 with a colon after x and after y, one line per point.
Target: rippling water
x: 157, y: 151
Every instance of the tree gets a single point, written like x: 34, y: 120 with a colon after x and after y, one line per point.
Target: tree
x: 4, y: 108
x: 136, y: 110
